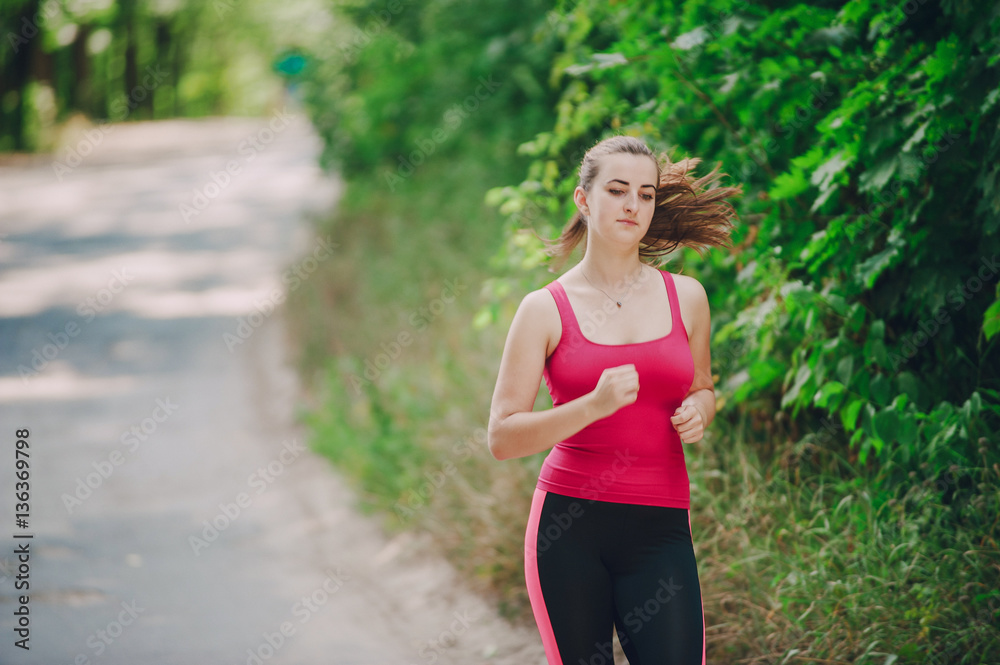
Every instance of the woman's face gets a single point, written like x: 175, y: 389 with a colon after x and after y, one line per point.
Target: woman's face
x: 619, y: 205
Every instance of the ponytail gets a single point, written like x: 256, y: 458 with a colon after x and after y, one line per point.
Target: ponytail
x: 690, y: 211
x: 574, y: 231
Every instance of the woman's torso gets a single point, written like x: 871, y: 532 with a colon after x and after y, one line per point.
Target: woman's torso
x: 634, y: 455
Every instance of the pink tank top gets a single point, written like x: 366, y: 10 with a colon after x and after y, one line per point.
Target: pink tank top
x: 634, y: 455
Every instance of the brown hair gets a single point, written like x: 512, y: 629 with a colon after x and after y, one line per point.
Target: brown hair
x: 688, y: 211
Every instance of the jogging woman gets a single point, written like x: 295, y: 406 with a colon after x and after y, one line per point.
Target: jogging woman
x: 624, y: 351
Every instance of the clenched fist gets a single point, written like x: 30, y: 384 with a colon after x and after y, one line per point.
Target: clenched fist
x: 617, y: 387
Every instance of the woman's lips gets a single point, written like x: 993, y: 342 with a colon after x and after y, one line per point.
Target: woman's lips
x: 628, y: 221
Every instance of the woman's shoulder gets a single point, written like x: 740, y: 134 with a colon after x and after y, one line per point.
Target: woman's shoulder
x: 689, y: 288
x: 693, y: 301
x: 540, y: 314
x: 540, y: 303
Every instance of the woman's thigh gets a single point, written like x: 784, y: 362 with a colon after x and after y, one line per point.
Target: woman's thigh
x: 568, y: 584
x: 658, y: 604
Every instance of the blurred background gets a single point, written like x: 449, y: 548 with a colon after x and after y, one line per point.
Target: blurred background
x: 845, y: 501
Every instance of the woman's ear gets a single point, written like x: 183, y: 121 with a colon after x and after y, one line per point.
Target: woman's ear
x: 580, y: 198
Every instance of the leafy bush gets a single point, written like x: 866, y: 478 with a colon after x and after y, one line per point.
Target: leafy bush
x: 868, y: 142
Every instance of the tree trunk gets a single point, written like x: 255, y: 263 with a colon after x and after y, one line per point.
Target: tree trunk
x: 81, y: 87
x: 22, y: 41
x: 133, y: 96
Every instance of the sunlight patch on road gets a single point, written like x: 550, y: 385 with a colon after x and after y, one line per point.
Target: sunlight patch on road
x: 60, y: 382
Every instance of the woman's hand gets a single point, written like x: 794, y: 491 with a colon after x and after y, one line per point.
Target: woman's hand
x: 688, y: 422
x: 617, y: 387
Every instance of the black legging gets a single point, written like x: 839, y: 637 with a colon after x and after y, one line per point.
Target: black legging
x: 591, y: 565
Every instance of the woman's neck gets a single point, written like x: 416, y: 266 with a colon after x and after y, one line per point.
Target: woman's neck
x: 611, y: 270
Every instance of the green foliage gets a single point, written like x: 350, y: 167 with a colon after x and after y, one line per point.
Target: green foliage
x: 862, y: 286
x: 805, y: 561
x: 404, y: 80
x: 121, y: 60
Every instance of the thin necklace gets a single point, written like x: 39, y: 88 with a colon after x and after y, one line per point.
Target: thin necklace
x: 617, y: 302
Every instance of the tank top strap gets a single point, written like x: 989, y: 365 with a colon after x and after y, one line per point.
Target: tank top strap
x: 675, y: 305
x: 566, y: 316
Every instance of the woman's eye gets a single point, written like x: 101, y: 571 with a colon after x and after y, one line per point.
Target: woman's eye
x: 616, y: 192
x: 647, y: 197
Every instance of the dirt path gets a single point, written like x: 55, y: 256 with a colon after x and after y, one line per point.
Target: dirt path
x: 175, y: 514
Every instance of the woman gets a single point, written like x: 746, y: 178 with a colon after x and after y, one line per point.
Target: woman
x: 608, y: 542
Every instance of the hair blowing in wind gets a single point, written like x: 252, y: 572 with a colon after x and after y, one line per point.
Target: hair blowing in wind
x: 690, y: 211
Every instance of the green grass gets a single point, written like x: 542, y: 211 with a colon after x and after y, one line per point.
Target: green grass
x: 805, y: 559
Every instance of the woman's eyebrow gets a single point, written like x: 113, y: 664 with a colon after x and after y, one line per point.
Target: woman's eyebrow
x: 626, y: 184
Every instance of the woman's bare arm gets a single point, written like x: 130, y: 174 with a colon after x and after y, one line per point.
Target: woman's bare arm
x: 697, y: 410
x: 515, y: 430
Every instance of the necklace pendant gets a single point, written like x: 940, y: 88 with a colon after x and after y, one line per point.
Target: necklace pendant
x: 618, y: 302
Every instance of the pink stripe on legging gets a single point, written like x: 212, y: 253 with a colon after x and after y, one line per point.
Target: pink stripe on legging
x: 703, y: 638
x: 531, y: 579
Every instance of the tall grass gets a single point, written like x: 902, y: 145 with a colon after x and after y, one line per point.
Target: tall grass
x: 804, y: 557
x: 407, y: 421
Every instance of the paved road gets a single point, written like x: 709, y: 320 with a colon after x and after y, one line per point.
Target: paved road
x: 175, y: 514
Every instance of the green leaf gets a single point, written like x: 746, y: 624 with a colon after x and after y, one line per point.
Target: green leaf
x: 908, y: 384
x: 803, y: 375
x: 823, y: 176
x: 906, y: 434
x: 881, y: 389
x: 875, y: 178
x: 849, y: 414
x: 788, y: 185
x: 917, y: 137
x: 870, y: 269
x: 991, y: 320
x: 886, y: 424
x: 829, y: 391
x: 845, y: 369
